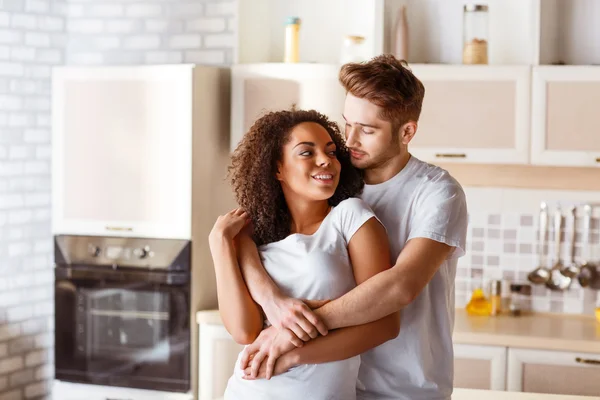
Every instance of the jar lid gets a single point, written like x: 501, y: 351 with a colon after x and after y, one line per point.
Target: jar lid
x: 292, y: 21
x: 475, y: 7
x: 355, y: 39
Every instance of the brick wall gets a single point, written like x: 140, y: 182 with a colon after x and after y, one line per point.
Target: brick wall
x: 34, y: 36
x: 150, y: 32
x: 31, y: 41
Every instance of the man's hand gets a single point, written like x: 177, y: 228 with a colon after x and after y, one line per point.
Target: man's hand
x: 293, y: 314
x: 270, y: 344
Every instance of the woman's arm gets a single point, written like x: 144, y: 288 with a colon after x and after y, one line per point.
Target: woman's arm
x: 241, y: 315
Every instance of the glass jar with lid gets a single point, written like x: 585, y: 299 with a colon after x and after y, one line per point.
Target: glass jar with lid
x: 475, y: 34
x: 353, y: 49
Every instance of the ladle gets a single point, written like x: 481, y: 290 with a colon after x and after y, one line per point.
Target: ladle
x: 541, y: 274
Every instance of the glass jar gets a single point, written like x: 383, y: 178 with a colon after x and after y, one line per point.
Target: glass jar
x: 475, y: 34
x: 353, y: 49
x: 292, y: 39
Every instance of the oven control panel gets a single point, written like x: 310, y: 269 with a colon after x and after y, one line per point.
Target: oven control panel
x: 119, y: 251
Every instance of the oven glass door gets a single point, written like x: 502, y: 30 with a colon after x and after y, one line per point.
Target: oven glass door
x: 121, y: 331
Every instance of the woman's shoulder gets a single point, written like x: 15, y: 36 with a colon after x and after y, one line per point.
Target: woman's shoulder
x: 353, y: 204
x: 352, y: 213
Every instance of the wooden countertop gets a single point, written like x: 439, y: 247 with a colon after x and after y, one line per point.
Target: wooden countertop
x: 563, y: 332
x: 473, y: 394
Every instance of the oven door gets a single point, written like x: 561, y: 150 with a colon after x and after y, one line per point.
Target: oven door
x: 123, y: 328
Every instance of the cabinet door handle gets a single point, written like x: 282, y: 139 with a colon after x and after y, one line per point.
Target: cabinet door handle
x: 587, y: 361
x: 119, y: 228
x: 453, y: 155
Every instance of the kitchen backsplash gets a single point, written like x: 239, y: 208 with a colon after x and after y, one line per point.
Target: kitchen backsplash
x: 502, y: 244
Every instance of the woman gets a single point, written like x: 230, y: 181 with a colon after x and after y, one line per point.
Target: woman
x: 292, y: 176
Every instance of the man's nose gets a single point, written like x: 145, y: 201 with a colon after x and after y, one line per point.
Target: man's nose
x: 351, y: 138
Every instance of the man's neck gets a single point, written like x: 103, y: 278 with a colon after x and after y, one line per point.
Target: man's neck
x: 387, y: 170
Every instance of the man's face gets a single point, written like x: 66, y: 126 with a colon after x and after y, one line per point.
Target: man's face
x: 369, y: 138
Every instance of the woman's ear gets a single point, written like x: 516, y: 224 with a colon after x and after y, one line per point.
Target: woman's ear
x: 278, y: 174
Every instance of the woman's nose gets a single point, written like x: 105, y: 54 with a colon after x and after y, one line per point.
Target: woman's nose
x: 324, y: 161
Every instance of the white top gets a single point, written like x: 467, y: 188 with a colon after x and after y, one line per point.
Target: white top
x: 421, y: 201
x: 317, y: 267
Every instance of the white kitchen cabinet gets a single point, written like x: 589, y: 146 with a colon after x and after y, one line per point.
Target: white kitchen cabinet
x: 122, y: 147
x: 473, y: 114
x: 479, y: 367
x: 565, y: 124
x: 259, y: 88
x: 556, y: 372
x: 218, y: 353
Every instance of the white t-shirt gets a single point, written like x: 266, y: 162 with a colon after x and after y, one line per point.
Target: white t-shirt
x: 421, y: 201
x: 316, y: 267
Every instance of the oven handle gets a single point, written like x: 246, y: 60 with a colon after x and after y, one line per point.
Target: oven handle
x: 168, y: 278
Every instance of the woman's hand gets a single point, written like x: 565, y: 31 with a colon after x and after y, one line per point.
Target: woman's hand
x: 229, y: 225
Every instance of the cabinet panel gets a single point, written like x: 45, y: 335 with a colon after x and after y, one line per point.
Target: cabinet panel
x: 472, y: 374
x: 218, y: 353
x: 476, y: 114
x: 565, y: 124
x: 479, y: 367
x: 556, y: 372
x: 559, y: 379
x: 260, y: 88
x: 122, y: 151
x: 572, y: 116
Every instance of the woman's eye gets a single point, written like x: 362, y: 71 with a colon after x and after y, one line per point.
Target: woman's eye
x: 305, y: 153
x: 367, y: 132
x: 333, y: 152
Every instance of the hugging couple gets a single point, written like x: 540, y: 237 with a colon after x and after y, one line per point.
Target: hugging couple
x: 337, y: 271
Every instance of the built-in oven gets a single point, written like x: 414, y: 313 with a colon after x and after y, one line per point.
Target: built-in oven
x: 122, y: 308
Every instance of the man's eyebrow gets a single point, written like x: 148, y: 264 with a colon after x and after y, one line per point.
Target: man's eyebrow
x: 361, y: 124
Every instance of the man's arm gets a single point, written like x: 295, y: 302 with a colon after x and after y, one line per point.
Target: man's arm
x: 281, y: 311
x: 339, y: 345
x: 389, y: 291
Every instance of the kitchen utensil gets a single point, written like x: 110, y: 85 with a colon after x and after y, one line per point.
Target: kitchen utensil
x: 572, y: 268
x: 587, y: 272
x: 541, y: 274
x: 557, y: 280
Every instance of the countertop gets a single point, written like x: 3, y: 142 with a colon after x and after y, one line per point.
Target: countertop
x: 473, y: 394
x: 562, y: 332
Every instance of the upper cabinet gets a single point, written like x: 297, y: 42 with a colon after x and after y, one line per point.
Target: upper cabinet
x: 260, y: 88
x: 477, y: 114
x: 565, y: 119
x: 122, y: 140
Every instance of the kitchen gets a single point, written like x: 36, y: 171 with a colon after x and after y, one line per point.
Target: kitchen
x: 507, y: 173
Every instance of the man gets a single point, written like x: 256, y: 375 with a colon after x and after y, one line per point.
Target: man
x: 424, y: 211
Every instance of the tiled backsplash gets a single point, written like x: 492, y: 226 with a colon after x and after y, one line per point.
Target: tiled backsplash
x: 502, y: 243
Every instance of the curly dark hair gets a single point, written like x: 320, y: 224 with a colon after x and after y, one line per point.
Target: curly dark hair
x: 254, y: 166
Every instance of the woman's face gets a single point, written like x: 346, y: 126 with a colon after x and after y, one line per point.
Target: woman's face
x: 309, y: 167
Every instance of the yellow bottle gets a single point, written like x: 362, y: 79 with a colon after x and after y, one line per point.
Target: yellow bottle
x: 292, y: 39
x: 598, y: 314
x: 479, y: 305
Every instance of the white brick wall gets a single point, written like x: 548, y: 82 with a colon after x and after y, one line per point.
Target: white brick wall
x: 31, y: 42
x: 34, y: 36
x: 158, y: 32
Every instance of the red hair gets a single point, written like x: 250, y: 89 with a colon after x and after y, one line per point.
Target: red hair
x: 388, y: 83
